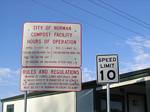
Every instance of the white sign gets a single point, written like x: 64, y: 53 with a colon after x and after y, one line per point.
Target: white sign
x: 51, y: 45
x: 107, y: 68
x: 51, y: 57
x: 51, y: 79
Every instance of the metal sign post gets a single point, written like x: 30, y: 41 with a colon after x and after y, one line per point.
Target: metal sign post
x: 51, y: 57
x: 107, y: 72
x: 25, y: 101
x: 108, y: 97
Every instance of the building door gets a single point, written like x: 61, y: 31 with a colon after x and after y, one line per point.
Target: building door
x: 116, y: 103
x: 136, y: 103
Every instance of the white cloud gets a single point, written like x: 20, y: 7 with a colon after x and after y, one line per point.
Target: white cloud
x: 139, y: 44
x: 7, y: 72
x: 142, y: 57
x: 8, y: 76
x: 140, y: 47
x: 88, y: 75
x: 132, y: 66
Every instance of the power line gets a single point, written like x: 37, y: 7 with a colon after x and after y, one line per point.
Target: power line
x: 73, y: 17
x: 120, y: 14
x: 125, y: 13
x: 103, y: 18
x: 46, y: 6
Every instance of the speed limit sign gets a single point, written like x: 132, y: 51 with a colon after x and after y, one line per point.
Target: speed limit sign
x: 107, y: 68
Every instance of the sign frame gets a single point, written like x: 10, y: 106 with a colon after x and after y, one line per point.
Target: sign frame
x: 97, y: 68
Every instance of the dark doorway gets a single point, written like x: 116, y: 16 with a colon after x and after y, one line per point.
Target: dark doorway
x: 116, y: 103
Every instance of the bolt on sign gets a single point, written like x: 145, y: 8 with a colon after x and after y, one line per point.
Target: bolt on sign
x: 107, y: 68
x: 54, y: 48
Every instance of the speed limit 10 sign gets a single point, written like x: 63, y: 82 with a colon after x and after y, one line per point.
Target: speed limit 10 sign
x: 107, y: 68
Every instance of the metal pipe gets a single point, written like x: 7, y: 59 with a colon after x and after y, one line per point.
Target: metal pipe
x: 25, y: 101
x: 108, y: 97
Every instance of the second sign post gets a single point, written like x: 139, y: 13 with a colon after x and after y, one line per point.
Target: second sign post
x: 107, y: 72
x: 51, y: 57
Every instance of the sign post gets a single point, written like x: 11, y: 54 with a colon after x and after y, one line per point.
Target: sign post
x: 107, y: 72
x: 108, y: 97
x: 51, y: 57
x: 25, y: 101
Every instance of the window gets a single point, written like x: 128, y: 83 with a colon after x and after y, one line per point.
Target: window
x: 10, y: 108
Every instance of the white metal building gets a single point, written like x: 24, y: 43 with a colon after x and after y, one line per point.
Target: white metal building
x: 131, y: 94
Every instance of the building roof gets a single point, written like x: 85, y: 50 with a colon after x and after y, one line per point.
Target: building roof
x: 86, y: 85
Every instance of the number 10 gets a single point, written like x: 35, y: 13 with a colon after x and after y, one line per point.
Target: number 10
x: 109, y: 76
